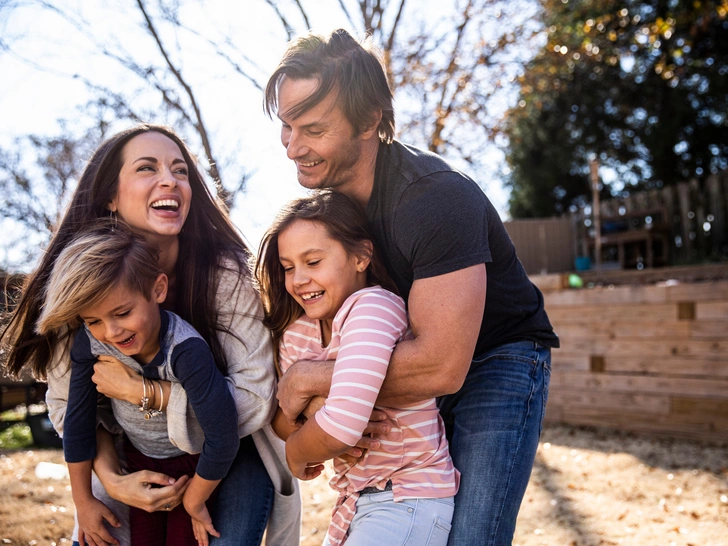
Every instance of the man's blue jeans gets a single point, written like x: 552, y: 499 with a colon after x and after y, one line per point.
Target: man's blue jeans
x: 493, y: 425
x: 244, y: 501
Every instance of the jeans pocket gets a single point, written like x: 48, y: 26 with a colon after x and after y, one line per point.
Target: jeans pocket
x: 439, y: 533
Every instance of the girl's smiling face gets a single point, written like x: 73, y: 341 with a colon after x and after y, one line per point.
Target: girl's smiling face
x: 320, y: 273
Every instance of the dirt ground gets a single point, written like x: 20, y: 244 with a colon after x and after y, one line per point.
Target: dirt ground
x: 589, y: 487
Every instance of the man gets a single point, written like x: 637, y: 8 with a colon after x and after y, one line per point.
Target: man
x: 439, y: 235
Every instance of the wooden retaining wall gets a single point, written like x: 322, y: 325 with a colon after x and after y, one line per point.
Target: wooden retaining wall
x: 649, y: 358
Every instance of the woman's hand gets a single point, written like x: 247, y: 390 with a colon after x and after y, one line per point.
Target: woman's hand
x: 137, y: 490
x: 117, y: 380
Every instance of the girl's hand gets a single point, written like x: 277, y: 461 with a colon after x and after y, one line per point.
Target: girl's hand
x: 117, y: 380
x: 136, y: 490
x: 305, y: 471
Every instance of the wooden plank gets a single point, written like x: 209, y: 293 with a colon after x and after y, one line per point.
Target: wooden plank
x: 699, y: 291
x: 647, y: 423
x: 711, y: 310
x: 570, y: 362
x: 632, y: 295
x: 547, y: 283
x: 612, y: 313
x: 699, y: 406
x: 653, y: 348
x: 652, y: 275
x: 708, y: 329
x: 667, y: 366
x: 627, y: 329
x: 621, y: 383
x: 659, y: 404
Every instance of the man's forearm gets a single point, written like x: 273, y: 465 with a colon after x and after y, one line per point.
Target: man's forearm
x: 301, y: 382
x: 413, y: 375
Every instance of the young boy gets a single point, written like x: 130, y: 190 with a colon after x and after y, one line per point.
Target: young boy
x: 107, y: 283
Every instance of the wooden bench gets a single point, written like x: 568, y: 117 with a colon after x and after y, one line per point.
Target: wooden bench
x: 634, y: 232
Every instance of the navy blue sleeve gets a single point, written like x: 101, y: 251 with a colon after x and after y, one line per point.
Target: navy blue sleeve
x: 79, y: 424
x: 214, y: 407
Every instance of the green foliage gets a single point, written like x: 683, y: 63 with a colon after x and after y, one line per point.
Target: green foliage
x: 640, y: 84
x: 16, y: 436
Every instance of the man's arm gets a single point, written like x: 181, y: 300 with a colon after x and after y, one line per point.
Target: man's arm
x: 445, y: 314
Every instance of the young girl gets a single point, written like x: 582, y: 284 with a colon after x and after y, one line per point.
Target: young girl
x: 321, y: 283
x: 107, y: 284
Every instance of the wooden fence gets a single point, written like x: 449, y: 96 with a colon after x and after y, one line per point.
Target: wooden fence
x: 689, y: 218
x: 641, y: 358
x: 544, y: 245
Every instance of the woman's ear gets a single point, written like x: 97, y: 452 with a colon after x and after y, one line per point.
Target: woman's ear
x: 159, y: 291
x: 364, y: 258
x: 112, y: 205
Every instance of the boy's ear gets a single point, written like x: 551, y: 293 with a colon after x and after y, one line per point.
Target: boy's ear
x: 159, y: 291
x: 364, y: 259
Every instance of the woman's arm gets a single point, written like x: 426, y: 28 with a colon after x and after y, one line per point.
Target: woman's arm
x: 146, y: 490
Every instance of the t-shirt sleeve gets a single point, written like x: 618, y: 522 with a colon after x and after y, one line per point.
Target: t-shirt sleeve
x: 79, y: 424
x: 371, y: 329
x: 441, y: 225
x: 206, y: 388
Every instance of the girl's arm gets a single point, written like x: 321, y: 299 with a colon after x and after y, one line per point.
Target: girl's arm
x: 372, y: 327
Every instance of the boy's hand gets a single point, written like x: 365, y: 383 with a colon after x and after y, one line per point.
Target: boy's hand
x: 201, y: 522
x: 91, y: 514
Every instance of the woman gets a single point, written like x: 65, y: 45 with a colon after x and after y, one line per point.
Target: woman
x: 147, y: 177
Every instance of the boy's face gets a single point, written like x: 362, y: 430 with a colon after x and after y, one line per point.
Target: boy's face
x: 128, y: 320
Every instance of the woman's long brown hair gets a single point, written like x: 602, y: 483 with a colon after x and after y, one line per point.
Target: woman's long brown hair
x: 207, y: 241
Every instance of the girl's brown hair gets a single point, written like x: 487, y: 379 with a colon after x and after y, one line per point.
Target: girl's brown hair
x: 208, y: 241
x: 344, y: 220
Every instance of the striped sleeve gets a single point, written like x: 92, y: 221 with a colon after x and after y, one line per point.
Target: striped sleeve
x: 371, y: 328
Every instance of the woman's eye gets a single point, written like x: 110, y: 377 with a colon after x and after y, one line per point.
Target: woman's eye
x: 315, y: 262
x: 91, y: 322
x: 124, y: 313
x: 145, y: 168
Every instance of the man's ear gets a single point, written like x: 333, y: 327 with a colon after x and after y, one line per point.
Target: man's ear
x: 159, y: 291
x: 371, y: 129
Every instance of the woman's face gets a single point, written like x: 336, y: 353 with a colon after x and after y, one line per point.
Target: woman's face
x: 154, y: 191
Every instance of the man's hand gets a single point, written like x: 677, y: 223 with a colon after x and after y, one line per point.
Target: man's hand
x: 91, y: 514
x: 302, y: 382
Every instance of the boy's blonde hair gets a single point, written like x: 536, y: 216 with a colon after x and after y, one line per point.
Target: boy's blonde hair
x: 90, y: 267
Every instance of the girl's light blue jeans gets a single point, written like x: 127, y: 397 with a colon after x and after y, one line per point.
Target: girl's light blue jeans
x: 415, y: 522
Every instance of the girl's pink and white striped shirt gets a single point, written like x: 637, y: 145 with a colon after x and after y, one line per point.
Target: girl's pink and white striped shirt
x: 414, y: 455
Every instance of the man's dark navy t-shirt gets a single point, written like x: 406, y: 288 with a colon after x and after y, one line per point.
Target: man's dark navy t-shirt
x: 429, y: 219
